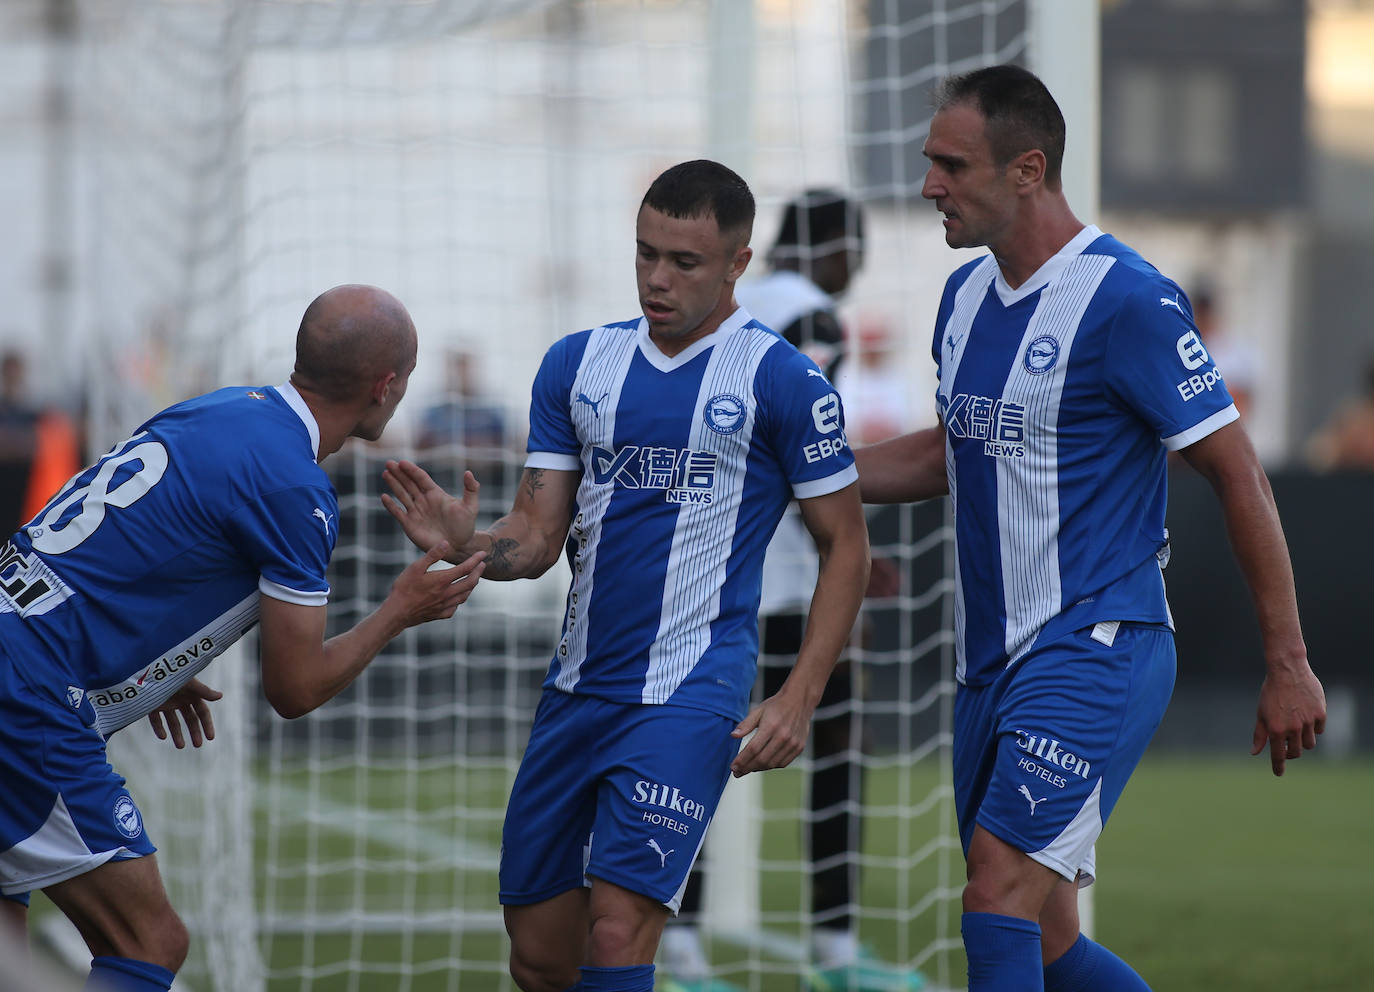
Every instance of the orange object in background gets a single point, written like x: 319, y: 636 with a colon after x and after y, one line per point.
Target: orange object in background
x: 56, y: 458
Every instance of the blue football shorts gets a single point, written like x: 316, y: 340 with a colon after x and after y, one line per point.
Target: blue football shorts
x: 65, y: 809
x: 617, y: 791
x: 1042, y: 754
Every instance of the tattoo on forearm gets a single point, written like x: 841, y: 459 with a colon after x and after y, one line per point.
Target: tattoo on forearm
x: 499, y: 557
x: 534, y: 480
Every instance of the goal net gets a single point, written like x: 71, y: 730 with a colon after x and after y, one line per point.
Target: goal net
x: 484, y: 160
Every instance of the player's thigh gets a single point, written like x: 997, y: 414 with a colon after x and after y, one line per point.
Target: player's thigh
x: 66, y: 810
x: 1051, y: 745
x: 549, y: 938
x: 14, y: 917
x: 549, y: 816
x: 669, y: 768
x: 626, y: 926
x: 121, y: 908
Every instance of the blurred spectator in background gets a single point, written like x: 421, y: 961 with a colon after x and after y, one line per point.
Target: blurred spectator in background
x: 39, y: 449
x: 1235, y: 358
x: 1346, y: 440
x: 465, y: 429
x: 877, y: 395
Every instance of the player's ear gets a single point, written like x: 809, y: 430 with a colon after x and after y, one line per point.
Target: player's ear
x: 739, y: 263
x: 1028, y: 170
x: 381, y: 388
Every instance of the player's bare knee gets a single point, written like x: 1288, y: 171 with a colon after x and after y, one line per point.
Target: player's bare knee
x: 536, y: 972
x: 159, y: 938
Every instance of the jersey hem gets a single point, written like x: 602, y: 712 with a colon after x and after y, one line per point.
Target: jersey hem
x: 40, y: 882
x: 830, y: 484
x: 276, y: 590
x: 1197, y: 432
x: 555, y: 460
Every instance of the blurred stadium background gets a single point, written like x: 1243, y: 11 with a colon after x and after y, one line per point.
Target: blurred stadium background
x: 179, y: 177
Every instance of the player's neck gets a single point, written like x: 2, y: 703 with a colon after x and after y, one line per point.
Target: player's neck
x: 1036, y: 237
x: 674, y: 345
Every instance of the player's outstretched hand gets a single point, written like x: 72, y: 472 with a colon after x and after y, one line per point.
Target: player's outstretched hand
x: 192, y: 703
x: 425, y: 511
x: 423, y: 592
x: 780, y: 728
x: 1292, y: 712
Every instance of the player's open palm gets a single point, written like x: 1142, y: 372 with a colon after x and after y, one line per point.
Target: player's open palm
x: 423, y: 592
x: 425, y: 511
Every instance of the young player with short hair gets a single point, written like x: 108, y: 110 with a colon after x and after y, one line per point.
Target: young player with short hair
x: 662, y: 452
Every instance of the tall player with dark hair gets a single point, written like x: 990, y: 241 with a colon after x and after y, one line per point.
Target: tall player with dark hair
x: 662, y: 452
x: 818, y: 249
x: 212, y: 518
x: 1068, y: 368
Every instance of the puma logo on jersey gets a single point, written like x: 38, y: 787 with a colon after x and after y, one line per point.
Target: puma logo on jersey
x: 662, y: 854
x: 1034, y: 802
x: 1164, y: 301
x: 594, y: 404
x: 324, y: 519
x: 815, y: 373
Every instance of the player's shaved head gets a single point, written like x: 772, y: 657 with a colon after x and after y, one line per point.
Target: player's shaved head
x: 349, y: 337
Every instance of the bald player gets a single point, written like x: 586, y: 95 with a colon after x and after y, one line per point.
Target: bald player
x: 213, y: 517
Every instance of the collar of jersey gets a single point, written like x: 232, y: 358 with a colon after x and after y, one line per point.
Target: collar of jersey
x: 663, y: 363
x: 294, y: 400
x: 1048, y: 272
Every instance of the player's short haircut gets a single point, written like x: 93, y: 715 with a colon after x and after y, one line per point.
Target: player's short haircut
x: 1021, y: 114
x: 348, y: 338
x: 817, y: 222
x: 702, y: 188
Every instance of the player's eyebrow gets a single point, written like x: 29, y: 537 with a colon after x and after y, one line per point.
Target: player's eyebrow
x: 690, y: 256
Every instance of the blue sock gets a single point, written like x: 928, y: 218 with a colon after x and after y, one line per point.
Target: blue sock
x: 635, y: 978
x: 1003, y: 953
x: 1089, y: 967
x: 127, y: 975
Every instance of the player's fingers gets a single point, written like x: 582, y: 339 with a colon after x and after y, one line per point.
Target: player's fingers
x: 470, y: 484
x: 475, y: 563
x: 749, y: 724
x: 204, y: 691
x: 1259, y: 738
x: 1309, y: 736
x: 400, y: 489
x: 192, y: 721
x: 434, y: 555
x: 207, y: 719
x: 416, y: 478
x: 1278, y: 754
x: 159, y: 731
x: 174, y: 727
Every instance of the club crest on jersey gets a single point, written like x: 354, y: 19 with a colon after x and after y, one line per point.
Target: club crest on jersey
x: 724, y: 413
x: 127, y: 818
x: 1042, y: 354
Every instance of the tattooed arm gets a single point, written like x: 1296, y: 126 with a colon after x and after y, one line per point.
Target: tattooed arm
x: 524, y: 543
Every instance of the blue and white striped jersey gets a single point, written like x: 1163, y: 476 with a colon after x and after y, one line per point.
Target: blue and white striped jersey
x: 1059, y: 400
x: 150, y: 562
x: 687, y: 464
